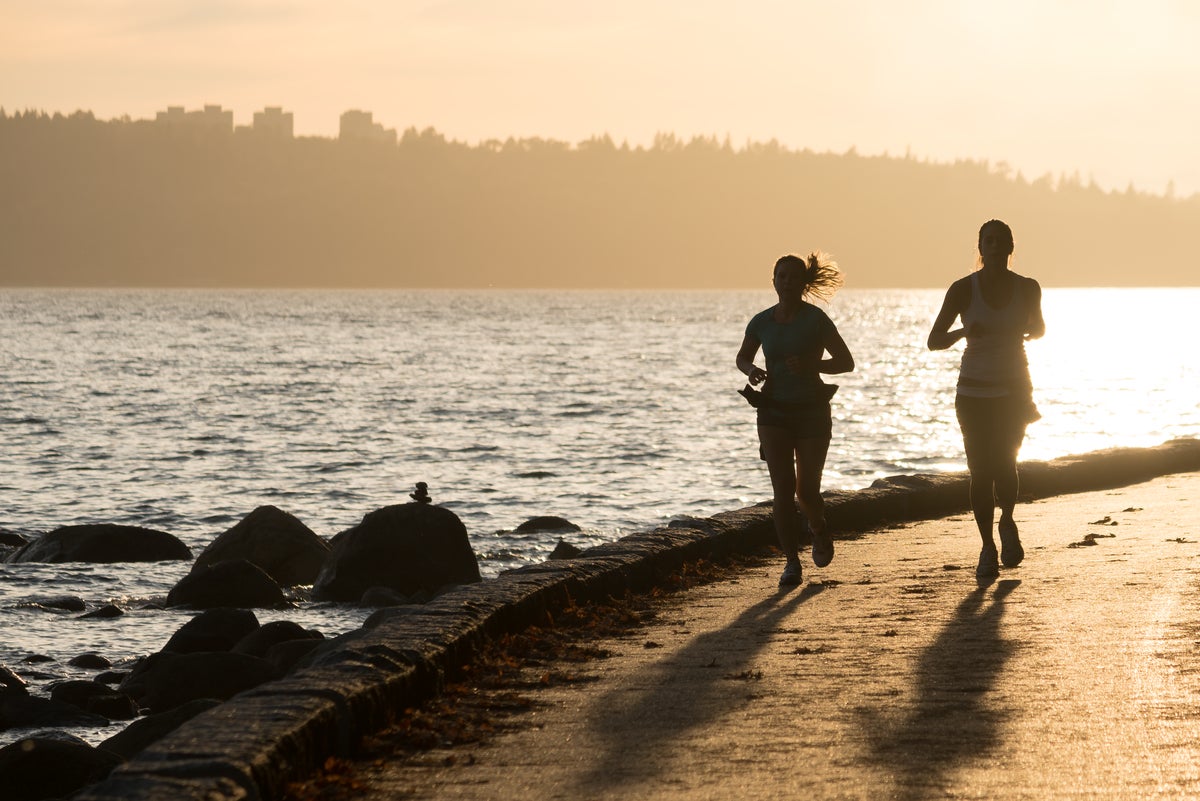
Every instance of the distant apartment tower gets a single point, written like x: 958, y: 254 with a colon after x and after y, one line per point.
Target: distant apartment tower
x: 212, y: 119
x: 273, y: 122
x: 358, y: 126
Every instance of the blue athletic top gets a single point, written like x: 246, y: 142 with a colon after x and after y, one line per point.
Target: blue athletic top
x: 800, y: 337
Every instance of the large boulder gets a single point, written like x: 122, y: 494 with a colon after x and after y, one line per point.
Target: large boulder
x: 286, y: 549
x: 175, y: 679
x: 212, y: 630
x: 283, y: 656
x: 37, y: 768
x: 30, y: 711
x: 259, y: 641
x: 236, y: 583
x: 406, y: 548
x: 99, y: 699
x: 103, y: 542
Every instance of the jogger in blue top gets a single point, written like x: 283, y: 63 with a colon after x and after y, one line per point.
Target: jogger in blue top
x: 794, y: 418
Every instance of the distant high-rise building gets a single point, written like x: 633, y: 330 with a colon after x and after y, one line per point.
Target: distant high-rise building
x: 174, y: 115
x: 273, y: 122
x: 212, y: 119
x: 359, y: 126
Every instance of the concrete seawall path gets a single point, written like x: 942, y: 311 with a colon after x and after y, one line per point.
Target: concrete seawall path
x: 888, y: 674
x: 885, y: 674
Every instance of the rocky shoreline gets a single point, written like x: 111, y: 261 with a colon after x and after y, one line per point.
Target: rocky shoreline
x: 252, y: 745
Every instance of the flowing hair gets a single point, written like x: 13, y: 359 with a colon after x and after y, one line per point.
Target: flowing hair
x: 822, y: 276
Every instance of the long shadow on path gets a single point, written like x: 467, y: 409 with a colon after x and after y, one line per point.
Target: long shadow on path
x: 679, y: 696
x: 954, y: 716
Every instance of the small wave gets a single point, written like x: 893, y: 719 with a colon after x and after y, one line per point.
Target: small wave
x: 503, y: 554
x: 339, y: 467
x: 275, y: 492
x: 24, y: 421
x: 342, y: 495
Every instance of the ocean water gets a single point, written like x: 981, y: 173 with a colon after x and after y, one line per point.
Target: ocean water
x: 184, y: 410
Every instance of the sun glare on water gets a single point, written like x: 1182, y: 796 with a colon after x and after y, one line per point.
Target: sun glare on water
x: 1116, y: 367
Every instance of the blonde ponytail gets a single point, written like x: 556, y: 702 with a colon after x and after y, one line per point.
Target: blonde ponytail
x: 822, y: 276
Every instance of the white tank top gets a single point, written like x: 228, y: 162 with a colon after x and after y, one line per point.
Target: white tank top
x: 994, y: 365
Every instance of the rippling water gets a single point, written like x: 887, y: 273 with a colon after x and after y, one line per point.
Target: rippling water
x: 184, y: 410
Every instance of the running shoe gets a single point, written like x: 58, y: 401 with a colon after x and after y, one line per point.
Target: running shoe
x: 989, y: 567
x: 793, y: 574
x: 1011, y: 552
x: 822, y: 548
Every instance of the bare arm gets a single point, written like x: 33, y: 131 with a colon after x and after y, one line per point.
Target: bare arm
x: 940, y: 336
x: 1035, y: 327
x: 745, y: 360
x: 840, y: 359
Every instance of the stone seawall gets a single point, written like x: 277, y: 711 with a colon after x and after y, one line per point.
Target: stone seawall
x: 251, y: 746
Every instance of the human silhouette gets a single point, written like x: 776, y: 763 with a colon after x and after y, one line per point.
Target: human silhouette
x: 795, y: 423
x: 999, y: 310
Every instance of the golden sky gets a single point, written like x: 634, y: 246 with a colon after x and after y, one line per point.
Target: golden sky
x: 1108, y: 88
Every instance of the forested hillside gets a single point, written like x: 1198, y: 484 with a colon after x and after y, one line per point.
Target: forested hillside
x: 85, y: 202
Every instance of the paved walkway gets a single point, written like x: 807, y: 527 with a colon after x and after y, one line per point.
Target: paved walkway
x: 888, y: 674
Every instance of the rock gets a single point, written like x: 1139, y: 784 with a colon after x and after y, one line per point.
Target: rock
x: 105, y: 612
x: 99, y: 699
x: 287, y: 550
x: 152, y: 728
x: 90, y: 661
x: 104, y: 542
x: 547, y: 523
x: 11, y: 683
x: 406, y: 548
x: 236, y: 583
x: 37, y: 659
x: 382, y: 596
x: 212, y: 630
x: 115, y: 706
x: 26, y: 711
x: 111, y: 676
x: 564, y: 550
x: 51, y: 768
x: 67, y: 603
x: 175, y: 679
x: 259, y: 641
x: 283, y: 656
x: 55, y: 734
x: 11, y: 539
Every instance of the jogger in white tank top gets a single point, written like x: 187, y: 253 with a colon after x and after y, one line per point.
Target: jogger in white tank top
x: 1000, y: 310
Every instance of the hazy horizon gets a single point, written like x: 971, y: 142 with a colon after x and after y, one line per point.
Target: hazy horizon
x: 910, y: 124
x: 1100, y: 89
